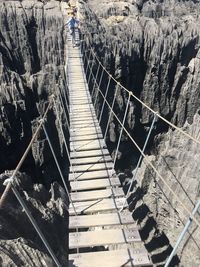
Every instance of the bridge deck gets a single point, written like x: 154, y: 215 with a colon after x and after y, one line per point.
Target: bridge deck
x: 97, y: 195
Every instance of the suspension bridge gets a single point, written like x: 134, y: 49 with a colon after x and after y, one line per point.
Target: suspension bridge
x: 95, y: 189
x: 102, y: 231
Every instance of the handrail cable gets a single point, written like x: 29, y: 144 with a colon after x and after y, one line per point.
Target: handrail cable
x: 8, y: 184
x: 149, y: 162
x: 145, y: 105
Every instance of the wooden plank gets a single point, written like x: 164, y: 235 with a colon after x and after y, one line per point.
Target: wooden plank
x: 83, y: 121
x: 80, y: 97
x: 88, y: 145
x: 92, y: 167
x: 103, y: 237
x: 104, y: 219
x: 80, y: 103
x: 95, y: 206
x: 90, y: 153
x: 85, y: 127
x: 90, y: 175
x: 84, y: 131
x: 80, y: 120
x: 125, y: 257
x: 90, y: 160
x: 86, y: 137
x: 95, y: 184
x: 97, y: 194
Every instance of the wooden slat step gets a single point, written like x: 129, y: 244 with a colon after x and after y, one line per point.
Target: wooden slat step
x: 83, y: 121
x: 104, y: 219
x: 75, y: 114
x: 79, y: 97
x: 90, y: 175
x: 83, y: 109
x: 95, y: 206
x: 90, y: 160
x: 80, y: 103
x: 114, y: 258
x: 103, y: 237
x: 97, y: 194
x: 95, y: 184
x: 84, y: 132
x: 87, y: 145
x: 89, y: 153
x: 86, y: 126
x: 92, y: 167
x: 86, y: 137
x: 80, y: 120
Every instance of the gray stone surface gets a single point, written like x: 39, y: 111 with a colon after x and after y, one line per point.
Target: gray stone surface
x: 20, y: 245
x: 32, y: 56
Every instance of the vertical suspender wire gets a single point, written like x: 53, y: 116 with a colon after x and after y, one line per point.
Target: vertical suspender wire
x: 139, y: 161
x: 35, y: 225
x: 98, y: 85
x: 88, y: 63
x: 110, y: 114
x: 102, y: 108
x: 64, y: 111
x: 84, y: 52
x: 66, y: 147
x: 182, y: 234
x: 95, y: 78
x: 62, y: 105
x: 91, y: 71
x: 58, y: 166
x: 8, y: 186
x: 120, y: 136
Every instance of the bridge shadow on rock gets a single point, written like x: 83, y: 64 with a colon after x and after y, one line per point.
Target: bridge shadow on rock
x: 155, y: 240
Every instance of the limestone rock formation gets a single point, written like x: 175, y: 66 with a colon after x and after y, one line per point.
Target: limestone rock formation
x: 20, y: 245
x: 32, y: 58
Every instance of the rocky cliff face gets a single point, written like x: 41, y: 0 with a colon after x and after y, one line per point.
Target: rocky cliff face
x: 32, y: 42
x: 152, y: 48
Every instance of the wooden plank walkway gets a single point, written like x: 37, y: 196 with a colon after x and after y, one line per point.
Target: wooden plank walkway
x: 96, y: 192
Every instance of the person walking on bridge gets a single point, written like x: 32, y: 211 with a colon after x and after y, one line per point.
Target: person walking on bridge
x: 72, y: 23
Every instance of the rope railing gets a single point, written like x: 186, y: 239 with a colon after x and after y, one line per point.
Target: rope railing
x: 140, y: 101
x: 148, y: 162
x: 9, y: 181
x: 10, y: 185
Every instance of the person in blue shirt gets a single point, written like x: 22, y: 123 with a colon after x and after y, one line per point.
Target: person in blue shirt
x: 72, y: 23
